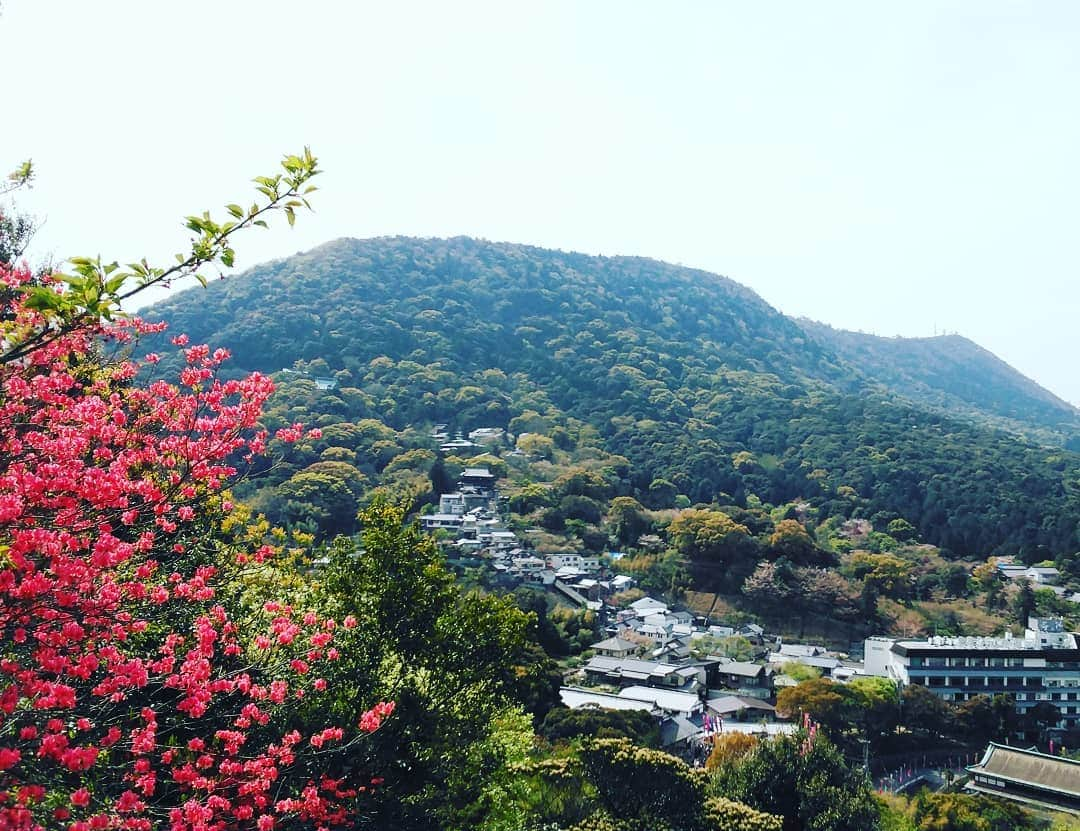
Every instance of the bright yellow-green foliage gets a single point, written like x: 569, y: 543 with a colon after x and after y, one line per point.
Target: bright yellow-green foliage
x: 711, y: 535
x: 729, y: 747
x: 791, y: 540
x: 888, y: 573
x: 725, y: 815
x: 536, y: 445
x: 970, y: 812
x: 800, y: 672
x: 614, y: 785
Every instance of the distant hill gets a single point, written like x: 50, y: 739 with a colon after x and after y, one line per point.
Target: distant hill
x: 705, y: 389
x: 956, y: 376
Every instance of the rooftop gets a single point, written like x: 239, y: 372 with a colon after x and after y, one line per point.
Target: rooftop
x: 647, y: 603
x: 1029, y: 767
x: 573, y: 698
x: 965, y: 642
x: 742, y: 668
x: 616, y: 643
x: 675, y: 702
x: 629, y: 666
x: 727, y: 704
x: 677, y: 729
x: 477, y: 472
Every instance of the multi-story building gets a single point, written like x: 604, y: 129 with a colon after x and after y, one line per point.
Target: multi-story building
x: 1043, y: 666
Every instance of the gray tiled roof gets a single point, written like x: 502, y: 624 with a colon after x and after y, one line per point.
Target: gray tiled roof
x: 1051, y: 773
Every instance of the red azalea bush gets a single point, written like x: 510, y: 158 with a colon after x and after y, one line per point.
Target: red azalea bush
x: 129, y: 698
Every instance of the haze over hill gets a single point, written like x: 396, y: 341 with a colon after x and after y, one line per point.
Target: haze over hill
x: 691, y: 377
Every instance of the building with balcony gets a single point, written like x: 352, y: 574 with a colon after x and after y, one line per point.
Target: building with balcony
x: 1043, y: 666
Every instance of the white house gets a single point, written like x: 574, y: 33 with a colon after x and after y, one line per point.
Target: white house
x: 1043, y: 576
x: 675, y: 703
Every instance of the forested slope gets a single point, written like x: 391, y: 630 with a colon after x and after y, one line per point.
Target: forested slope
x: 954, y: 375
x: 705, y: 389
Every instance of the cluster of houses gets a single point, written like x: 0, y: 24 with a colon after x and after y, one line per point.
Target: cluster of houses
x: 1040, y: 577
x: 659, y: 660
x: 476, y: 441
x: 655, y: 659
x: 471, y: 514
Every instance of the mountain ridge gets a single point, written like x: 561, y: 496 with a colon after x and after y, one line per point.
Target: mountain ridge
x: 1043, y: 418
x: 930, y: 371
x: 678, y: 370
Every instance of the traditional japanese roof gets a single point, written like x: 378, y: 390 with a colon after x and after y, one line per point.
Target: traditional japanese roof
x: 677, y: 729
x: 742, y: 668
x: 647, y: 603
x: 726, y: 704
x: 615, y: 644
x: 1056, y: 775
x: 801, y: 650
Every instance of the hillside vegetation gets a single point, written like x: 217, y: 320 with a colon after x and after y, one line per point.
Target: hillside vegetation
x: 953, y: 375
x: 689, y: 387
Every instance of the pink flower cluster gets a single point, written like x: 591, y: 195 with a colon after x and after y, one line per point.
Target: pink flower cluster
x: 119, y: 665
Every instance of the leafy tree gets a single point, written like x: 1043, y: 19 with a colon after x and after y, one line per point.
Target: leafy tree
x: 1043, y: 715
x: 800, y: 672
x: 834, y: 706
x: 627, y: 519
x: 970, y: 812
x: 325, y: 495
x: 807, y: 783
x: 532, y: 496
x: 457, y: 665
x: 924, y: 711
x: 901, y: 529
x: 612, y: 785
x: 649, y: 789
x: 979, y: 720
x: 791, y: 540
x: 580, y: 482
x: 661, y: 494
x: 728, y: 748
x: 709, y: 535
x: 878, y: 700
x: 536, y: 445
x: 636, y: 725
x: 1023, y: 604
x: 886, y: 573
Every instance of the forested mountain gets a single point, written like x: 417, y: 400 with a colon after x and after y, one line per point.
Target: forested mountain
x: 703, y: 389
x: 954, y: 375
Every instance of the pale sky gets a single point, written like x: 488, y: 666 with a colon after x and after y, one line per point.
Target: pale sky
x: 890, y: 167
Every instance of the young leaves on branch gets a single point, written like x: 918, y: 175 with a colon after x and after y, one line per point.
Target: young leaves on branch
x: 95, y: 291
